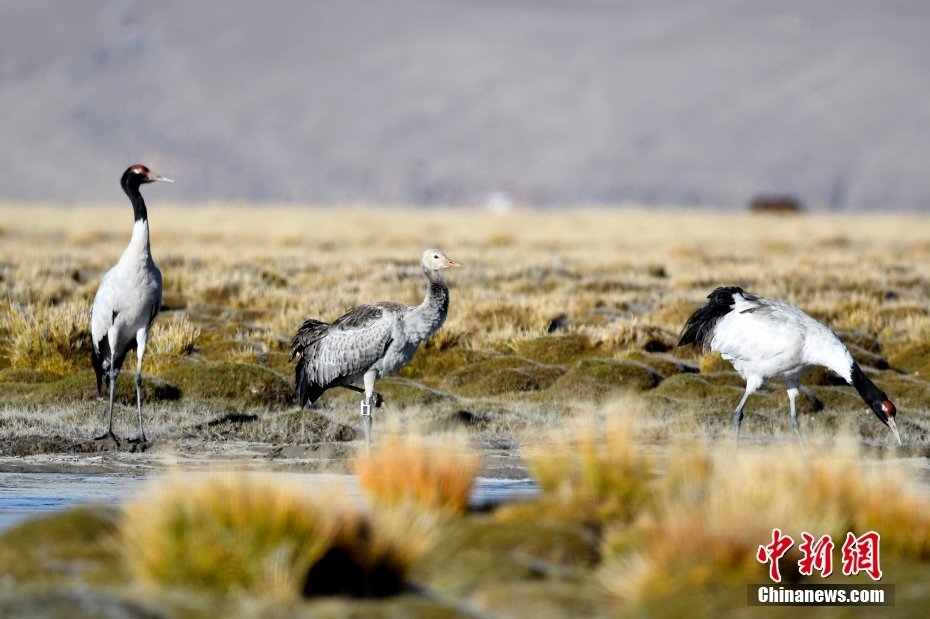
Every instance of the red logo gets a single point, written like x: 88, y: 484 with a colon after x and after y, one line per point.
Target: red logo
x: 860, y: 554
x: 773, y: 552
x: 819, y: 555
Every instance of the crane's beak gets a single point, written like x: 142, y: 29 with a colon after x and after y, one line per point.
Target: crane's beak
x: 451, y: 263
x: 894, y: 428
x: 156, y: 177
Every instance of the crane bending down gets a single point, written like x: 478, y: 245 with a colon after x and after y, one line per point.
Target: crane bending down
x: 128, y: 300
x: 765, y: 339
x: 369, y: 342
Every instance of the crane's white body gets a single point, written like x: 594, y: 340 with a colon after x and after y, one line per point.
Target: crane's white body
x: 129, y: 297
x: 769, y: 340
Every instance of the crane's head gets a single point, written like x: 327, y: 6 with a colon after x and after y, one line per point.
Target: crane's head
x: 885, y: 411
x: 139, y: 175
x: 433, y: 260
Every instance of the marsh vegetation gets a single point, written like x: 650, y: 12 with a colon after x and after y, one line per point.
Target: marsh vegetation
x: 559, y: 346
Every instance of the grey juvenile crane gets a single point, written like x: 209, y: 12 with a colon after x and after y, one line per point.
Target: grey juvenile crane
x: 128, y: 299
x: 369, y: 342
x: 769, y: 340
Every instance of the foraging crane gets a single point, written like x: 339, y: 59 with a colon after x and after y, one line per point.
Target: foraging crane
x: 369, y: 342
x: 128, y: 300
x: 765, y: 339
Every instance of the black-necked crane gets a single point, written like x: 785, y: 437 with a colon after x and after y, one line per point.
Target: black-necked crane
x: 369, y: 342
x: 769, y: 340
x: 128, y: 300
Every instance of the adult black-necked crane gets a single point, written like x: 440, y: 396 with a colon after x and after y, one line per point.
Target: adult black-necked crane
x: 766, y: 339
x: 369, y: 342
x: 128, y: 300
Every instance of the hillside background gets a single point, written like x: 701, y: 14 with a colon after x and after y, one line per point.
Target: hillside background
x: 537, y: 102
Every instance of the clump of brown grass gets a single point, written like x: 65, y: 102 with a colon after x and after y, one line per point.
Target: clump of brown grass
x: 174, y: 337
x: 257, y: 535
x: 432, y: 472
x: 54, y: 338
x: 593, y: 470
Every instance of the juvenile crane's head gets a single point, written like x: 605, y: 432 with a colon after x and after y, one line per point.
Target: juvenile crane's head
x: 433, y: 260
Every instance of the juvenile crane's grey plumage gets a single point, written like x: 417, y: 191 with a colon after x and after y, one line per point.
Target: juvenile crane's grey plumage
x: 128, y: 299
x: 765, y: 339
x: 370, y: 341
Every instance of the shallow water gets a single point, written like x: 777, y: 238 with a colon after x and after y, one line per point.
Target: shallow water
x: 28, y: 495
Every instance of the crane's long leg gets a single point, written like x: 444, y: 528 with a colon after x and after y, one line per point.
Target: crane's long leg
x: 752, y: 383
x: 793, y: 390
x: 140, y: 354
x: 370, y: 378
x: 112, y: 336
x: 109, y: 434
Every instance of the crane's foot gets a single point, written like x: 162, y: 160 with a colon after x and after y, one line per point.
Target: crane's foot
x: 138, y: 440
x: 108, y: 435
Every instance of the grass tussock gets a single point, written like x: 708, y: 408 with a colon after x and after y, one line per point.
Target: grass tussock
x: 436, y: 473
x: 53, y: 338
x: 174, y: 337
x: 255, y: 535
x: 592, y: 469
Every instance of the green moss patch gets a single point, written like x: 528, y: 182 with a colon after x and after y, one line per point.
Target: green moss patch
x: 431, y: 366
x: 913, y: 359
x: 558, y: 349
x: 27, y: 376
x: 475, y: 552
x: 696, y: 387
x: 83, y: 387
x: 501, y: 374
x: 230, y: 381
x: 50, y: 550
x: 663, y: 363
x: 596, y: 378
x: 714, y: 362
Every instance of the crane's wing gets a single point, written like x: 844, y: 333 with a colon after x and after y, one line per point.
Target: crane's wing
x: 759, y: 329
x: 350, y: 345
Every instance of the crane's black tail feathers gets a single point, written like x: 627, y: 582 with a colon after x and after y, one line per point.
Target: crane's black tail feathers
x: 97, y: 359
x: 307, y: 335
x: 699, y: 329
x: 307, y: 390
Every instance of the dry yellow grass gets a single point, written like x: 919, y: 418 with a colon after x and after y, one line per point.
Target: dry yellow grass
x: 436, y: 473
x: 261, y: 536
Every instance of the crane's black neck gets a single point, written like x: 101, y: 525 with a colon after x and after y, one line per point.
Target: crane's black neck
x: 866, y: 388
x: 130, y: 183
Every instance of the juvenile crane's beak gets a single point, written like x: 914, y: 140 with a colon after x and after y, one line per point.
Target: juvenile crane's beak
x: 450, y: 263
